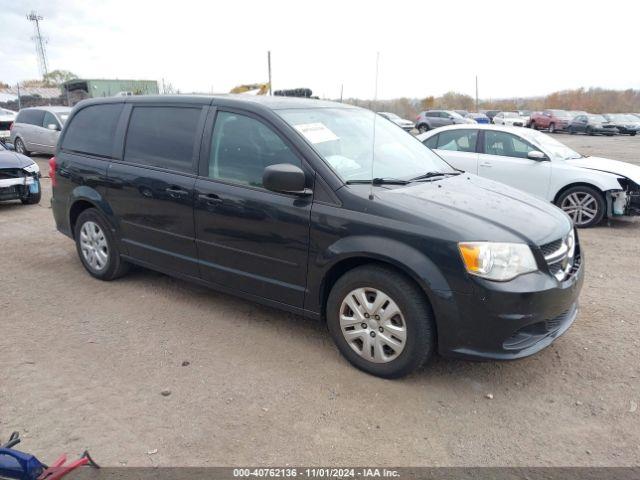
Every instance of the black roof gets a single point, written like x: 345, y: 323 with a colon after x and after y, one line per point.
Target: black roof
x: 229, y: 100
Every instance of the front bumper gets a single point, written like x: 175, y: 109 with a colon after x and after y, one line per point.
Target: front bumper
x: 507, y: 320
x: 17, y: 188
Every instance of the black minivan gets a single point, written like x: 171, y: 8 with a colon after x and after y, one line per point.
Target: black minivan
x: 316, y: 208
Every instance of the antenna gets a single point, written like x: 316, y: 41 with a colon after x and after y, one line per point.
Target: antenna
x: 375, y: 116
x: 39, y: 41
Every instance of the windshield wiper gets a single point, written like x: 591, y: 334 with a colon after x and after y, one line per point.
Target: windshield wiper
x: 433, y: 174
x: 380, y: 181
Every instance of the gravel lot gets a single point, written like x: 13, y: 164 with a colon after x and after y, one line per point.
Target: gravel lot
x: 84, y: 364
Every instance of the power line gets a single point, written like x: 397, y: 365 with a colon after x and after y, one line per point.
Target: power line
x: 39, y: 41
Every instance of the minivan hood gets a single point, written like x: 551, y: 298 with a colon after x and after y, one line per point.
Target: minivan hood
x: 624, y: 169
x: 481, y: 209
x: 9, y: 159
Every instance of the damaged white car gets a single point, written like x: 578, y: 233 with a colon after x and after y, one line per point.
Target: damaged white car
x: 588, y: 189
x: 19, y: 177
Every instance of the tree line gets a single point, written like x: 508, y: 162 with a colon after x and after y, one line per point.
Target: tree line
x: 593, y: 100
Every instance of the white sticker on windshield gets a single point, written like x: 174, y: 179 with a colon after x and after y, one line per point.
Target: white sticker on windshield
x: 316, y: 132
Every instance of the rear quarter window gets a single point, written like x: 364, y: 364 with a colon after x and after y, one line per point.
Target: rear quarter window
x: 92, y: 130
x: 31, y: 117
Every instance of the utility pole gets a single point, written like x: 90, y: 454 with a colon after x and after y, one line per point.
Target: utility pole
x: 39, y: 41
x: 19, y: 102
x: 477, y: 103
x: 269, y: 66
x: 341, y: 90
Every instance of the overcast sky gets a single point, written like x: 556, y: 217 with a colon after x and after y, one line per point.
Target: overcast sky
x: 517, y: 48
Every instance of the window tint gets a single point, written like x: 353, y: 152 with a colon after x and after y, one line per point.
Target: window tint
x: 458, y: 140
x: 31, y: 116
x: 163, y: 137
x: 242, y: 147
x: 93, y: 129
x: 433, y: 114
x: 431, y: 142
x: 49, y: 118
x: 506, y: 144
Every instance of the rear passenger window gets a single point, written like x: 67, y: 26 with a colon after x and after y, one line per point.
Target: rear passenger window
x: 458, y: 140
x: 163, y: 137
x: 242, y: 147
x: 31, y: 116
x: 93, y: 129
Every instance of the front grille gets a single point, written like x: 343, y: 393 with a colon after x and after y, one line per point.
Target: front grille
x: 548, y: 248
x: 562, y: 256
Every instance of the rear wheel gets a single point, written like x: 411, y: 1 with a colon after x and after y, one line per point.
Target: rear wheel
x: 381, y: 321
x: 572, y: 131
x: 423, y: 127
x: 633, y: 134
x: 585, y: 205
x: 97, y: 248
x: 589, y: 131
x: 20, y: 148
x: 533, y: 125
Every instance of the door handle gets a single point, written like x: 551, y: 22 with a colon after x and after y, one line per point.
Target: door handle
x: 176, y: 192
x: 486, y: 164
x: 209, y: 198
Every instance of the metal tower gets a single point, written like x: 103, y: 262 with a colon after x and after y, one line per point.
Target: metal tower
x: 39, y: 41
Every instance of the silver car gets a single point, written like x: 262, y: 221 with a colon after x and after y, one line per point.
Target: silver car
x: 37, y: 129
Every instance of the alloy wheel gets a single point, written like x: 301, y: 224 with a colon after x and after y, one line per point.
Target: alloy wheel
x: 373, y: 325
x: 19, y: 147
x: 93, y: 244
x: 582, y: 207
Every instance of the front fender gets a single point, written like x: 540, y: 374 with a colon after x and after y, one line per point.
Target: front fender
x: 405, y: 258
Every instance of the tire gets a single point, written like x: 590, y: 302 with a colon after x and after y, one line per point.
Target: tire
x: 633, y: 134
x: 589, y: 131
x: 552, y: 128
x: 591, y: 201
x: 400, y: 357
x: 20, y: 147
x: 423, y: 127
x: 33, y: 198
x: 571, y: 131
x: 107, y: 266
x: 533, y: 126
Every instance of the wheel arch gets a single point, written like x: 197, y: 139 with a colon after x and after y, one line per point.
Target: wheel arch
x: 405, y: 260
x: 84, y: 197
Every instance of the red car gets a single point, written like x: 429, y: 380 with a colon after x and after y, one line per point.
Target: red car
x: 552, y: 120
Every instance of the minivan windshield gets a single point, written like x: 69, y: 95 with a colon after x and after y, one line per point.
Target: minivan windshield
x: 344, y: 137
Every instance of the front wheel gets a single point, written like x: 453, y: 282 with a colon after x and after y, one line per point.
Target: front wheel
x: 20, y: 148
x: 585, y: 205
x: 552, y: 128
x: 97, y: 248
x: 533, y: 125
x: 589, y: 131
x: 381, y: 321
x: 633, y: 134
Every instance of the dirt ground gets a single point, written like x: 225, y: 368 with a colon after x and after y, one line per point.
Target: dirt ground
x: 83, y: 364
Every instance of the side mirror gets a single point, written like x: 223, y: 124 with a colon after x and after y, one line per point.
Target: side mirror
x: 52, y: 126
x: 284, y: 178
x: 536, y: 155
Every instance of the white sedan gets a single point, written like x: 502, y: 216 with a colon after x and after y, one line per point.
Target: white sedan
x: 511, y: 119
x: 586, y: 188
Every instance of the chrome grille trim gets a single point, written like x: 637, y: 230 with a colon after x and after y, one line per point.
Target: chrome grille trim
x: 562, y: 260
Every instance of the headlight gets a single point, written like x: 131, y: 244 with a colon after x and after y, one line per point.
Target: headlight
x: 33, y: 168
x: 497, y: 261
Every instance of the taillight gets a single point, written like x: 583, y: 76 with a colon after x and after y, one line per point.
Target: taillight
x: 52, y: 171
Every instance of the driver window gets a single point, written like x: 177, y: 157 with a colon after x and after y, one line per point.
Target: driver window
x: 505, y: 144
x: 49, y: 119
x: 242, y: 147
